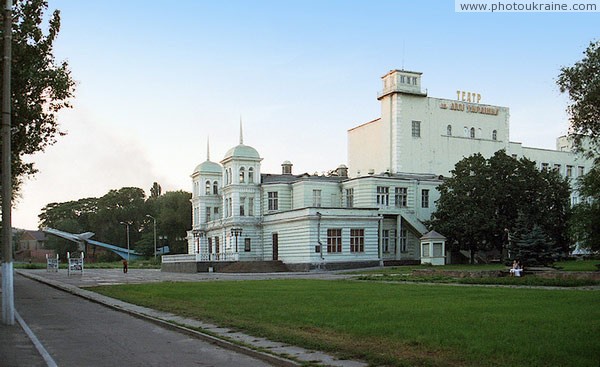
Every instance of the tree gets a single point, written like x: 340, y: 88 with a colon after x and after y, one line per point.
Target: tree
x: 174, y: 210
x: 155, y: 190
x: 481, y: 203
x: 534, y: 247
x: 40, y: 87
x: 582, y: 82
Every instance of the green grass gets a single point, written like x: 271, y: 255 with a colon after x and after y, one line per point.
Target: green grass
x: 578, y: 265
x: 395, y: 324
x: 409, y: 268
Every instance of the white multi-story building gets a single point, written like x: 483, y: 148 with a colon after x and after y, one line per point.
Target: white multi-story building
x: 372, y: 211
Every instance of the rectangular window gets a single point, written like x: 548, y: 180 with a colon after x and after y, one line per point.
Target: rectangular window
x: 334, y: 240
x: 403, y: 242
x: 210, y: 245
x: 557, y: 167
x: 349, y: 198
x: 216, y: 212
x: 416, y: 129
x: 217, y: 249
x: 273, y: 202
x: 424, y: 198
x: 425, y: 250
x: 569, y: 171
x: 437, y: 249
x: 383, y: 195
x: 247, y: 247
x: 401, y: 197
x: 251, y: 207
x: 545, y: 166
x: 581, y: 171
x: 242, y: 207
x: 385, y: 241
x: 207, y: 214
x: 317, y: 198
x: 357, y: 240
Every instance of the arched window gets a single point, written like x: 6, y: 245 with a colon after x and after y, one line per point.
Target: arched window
x: 215, y: 188
x: 466, y: 132
x: 229, y: 177
x: 242, y: 175
x: 250, y: 175
x: 207, y: 188
x: 494, y: 135
x: 449, y: 130
x: 472, y: 133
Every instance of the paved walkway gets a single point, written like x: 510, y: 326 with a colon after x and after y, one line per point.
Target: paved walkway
x: 274, y: 352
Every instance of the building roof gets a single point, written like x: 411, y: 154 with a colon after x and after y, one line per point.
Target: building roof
x: 242, y: 151
x: 209, y: 167
x: 432, y: 235
x: 268, y: 178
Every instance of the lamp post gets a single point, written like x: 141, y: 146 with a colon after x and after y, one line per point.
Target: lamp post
x: 236, y: 231
x: 127, y: 225
x: 154, y: 219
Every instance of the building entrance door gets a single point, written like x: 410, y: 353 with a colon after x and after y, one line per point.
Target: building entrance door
x: 275, y: 247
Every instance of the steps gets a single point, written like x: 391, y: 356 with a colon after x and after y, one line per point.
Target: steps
x: 255, y: 267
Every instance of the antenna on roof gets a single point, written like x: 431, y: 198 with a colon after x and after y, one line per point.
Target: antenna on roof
x: 403, y: 42
x: 241, y: 133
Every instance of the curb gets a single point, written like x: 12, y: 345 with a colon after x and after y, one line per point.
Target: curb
x: 273, y: 359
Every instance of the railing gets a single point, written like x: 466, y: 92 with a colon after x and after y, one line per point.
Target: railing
x: 204, y: 257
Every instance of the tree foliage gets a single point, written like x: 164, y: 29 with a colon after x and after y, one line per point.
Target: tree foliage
x: 482, y: 201
x: 106, y: 217
x: 585, y: 222
x: 40, y: 86
x: 582, y: 82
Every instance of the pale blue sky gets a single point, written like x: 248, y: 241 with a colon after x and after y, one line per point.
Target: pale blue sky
x: 156, y: 79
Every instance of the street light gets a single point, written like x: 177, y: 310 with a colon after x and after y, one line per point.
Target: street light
x: 236, y: 232
x: 149, y: 216
x: 127, y: 225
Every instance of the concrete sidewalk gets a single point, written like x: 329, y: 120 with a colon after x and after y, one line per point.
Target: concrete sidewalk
x: 274, y: 352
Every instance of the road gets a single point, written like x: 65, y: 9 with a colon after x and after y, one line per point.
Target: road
x: 77, y: 332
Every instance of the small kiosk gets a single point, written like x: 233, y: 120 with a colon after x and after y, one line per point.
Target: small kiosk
x: 433, y: 248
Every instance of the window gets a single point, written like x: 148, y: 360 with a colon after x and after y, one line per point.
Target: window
x: 208, y: 214
x: 196, y: 215
x: 385, y: 241
x: 349, y: 198
x: 247, y: 247
x: 207, y: 188
x: 401, y: 197
x: 466, y: 132
x: 230, y: 206
x: 383, y: 195
x: 210, y: 241
x: 437, y: 249
x: 403, y: 242
x: 216, y: 212
x: 494, y: 135
x: 569, y: 171
x: 425, y: 250
x: 242, y: 207
x: 273, y: 202
x: 472, y: 133
x: 217, y: 249
x: 251, y: 207
x: 215, y: 188
x: 581, y: 171
x: 317, y: 198
x: 357, y: 240
x: 416, y: 129
x: 545, y: 166
x: 425, y: 198
x: 557, y: 167
x: 242, y: 175
x: 229, y: 176
x: 334, y: 240
x: 250, y: 175
x: 449, y: 130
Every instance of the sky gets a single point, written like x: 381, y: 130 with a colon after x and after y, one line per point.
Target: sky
x: 156, y: 80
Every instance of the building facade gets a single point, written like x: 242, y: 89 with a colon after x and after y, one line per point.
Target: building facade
x: 368, y: 213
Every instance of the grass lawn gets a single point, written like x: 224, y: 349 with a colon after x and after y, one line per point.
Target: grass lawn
x: 396, y: 324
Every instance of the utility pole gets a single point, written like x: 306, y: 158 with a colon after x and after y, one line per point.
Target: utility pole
x: 8, y: 300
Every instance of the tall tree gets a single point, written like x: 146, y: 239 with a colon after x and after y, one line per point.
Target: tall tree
x: 582, y: 82
x: 174, y: 210
x: 40, y: 86
x: 484, y: 198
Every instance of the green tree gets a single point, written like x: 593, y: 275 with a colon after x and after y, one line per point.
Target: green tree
x: 174, y: 210
x: 582, y: 82
x: 482, y: 201
x: 533, y: 247
x: 40, y: 87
